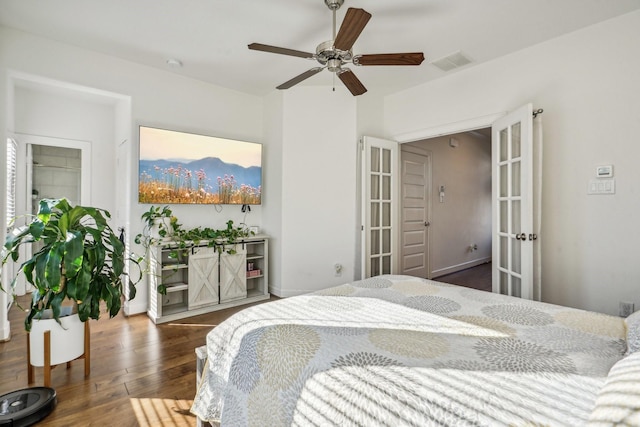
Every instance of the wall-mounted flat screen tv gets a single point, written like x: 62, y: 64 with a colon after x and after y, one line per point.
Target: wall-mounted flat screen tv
x: 181, y: 167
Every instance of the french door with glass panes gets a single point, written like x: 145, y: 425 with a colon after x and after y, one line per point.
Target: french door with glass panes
x: 379, y: 210
x: 512, y: 195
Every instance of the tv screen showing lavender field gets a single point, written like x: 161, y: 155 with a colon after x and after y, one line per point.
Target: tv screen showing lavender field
x: 180, y: 167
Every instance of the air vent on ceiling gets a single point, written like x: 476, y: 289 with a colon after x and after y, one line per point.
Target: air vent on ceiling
x: 449, y: 62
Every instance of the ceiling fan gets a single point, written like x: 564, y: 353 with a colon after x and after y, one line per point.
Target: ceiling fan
x: 333, y: 54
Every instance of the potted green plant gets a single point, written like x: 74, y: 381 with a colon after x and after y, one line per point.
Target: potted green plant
x: 79, y: 260
x: 160, y: 225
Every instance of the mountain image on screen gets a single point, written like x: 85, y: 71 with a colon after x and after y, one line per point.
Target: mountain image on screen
x: 206, y: 180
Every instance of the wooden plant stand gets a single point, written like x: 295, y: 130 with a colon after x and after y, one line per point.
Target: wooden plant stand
x: 47, y: 357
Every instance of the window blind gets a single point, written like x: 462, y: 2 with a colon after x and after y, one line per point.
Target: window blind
x: 12, y: 153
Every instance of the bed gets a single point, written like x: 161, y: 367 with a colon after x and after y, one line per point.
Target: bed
x: 402, y: 351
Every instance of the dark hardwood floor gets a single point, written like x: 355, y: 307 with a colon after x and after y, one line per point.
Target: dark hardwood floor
x: 478, y: 277
x: 141, y: 374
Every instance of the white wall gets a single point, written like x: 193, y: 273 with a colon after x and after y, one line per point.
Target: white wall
x: 157, y: 97
x: 272, y: 176
x: 587, y: 82
x: 318, y: 188
x: 56, y: 115
x: 463, y: 219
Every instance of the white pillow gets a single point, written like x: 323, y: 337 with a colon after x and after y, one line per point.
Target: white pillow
x: 618, y: 401
x: 633, y: 332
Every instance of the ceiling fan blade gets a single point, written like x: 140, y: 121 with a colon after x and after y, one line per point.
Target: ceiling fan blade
x: 412, y: 58
x: 294, y: 81
x: 280, y: 50
x: 354, y: 22
x: 352, y: 83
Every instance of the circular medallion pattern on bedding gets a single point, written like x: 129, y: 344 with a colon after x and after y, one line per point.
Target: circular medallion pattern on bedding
x: 511, y: 354
x: 384, y: 294
x: 566, y: 340
x: 485, y: 322
x: 232, y: 413
x: 343, y: 290
x: 334, y: 304
x: 518, y: 314
x: 245, y: 372
x: 410, y: 343
x: 363, y: 359
x: 432, y: 304
x: 283, y: 350
x: 464, y: 365
x: 415, y: 287
x: 261, y: 411
x: 373, y: 282
x: 593, y: 323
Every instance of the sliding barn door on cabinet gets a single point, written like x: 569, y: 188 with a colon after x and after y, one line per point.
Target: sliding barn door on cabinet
x: 233, y: 274
x: 203, y: 277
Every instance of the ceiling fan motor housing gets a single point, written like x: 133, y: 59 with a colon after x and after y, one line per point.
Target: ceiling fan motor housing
x: 334, y: 4
x: 327, y: 54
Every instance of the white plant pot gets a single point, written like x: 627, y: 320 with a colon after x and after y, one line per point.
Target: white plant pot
x: 67, y: 341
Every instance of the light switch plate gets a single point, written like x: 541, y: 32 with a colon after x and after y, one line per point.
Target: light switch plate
x: 602, y: 186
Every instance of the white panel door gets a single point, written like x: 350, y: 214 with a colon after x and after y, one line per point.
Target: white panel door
x: 379, y: 206
x: 416, y: 184
x: 203, y: 277
x: 512, y: 196
x: 233, y: 274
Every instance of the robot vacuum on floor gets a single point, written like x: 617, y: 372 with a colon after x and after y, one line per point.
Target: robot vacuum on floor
x: 27, y: 406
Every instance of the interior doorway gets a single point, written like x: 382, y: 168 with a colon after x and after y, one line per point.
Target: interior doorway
x: 458, y: 205
x: 56, y: 172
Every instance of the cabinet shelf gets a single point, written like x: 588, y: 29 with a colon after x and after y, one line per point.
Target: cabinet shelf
x: 166, y: 267
x: 168, y: 310
x: 177, y: 287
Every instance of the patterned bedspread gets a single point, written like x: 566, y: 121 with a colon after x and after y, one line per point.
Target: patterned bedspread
x: 401, y: 351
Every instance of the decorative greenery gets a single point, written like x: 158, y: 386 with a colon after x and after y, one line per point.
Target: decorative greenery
x: 81, y: 259
x: 223, y: 240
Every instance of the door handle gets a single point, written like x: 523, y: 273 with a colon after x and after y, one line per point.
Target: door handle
x: 427, y: 223
x: 521, y: 236
x: 533, y: 237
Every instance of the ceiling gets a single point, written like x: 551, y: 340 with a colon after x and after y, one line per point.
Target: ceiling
x: 210, y: 37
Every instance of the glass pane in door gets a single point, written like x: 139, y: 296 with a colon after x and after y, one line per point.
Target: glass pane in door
x: 375, y: 187
x: 375, y: 214
x: 504, y: 180
x: 515, y: 140
x: 515, y: 178
x: 386, y: 264
x: 375, y: 266
x: 386, y: 188
x: 504, y: 253
x: 375, y: 159
x: 375, y: 242
x: 504, y: 145
x: 386, y: 241
x: 386, y: 161
x: 386, y: 214
x: 516, y: 287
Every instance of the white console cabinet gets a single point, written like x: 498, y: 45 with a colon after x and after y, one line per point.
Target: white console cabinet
x: 199, y: 279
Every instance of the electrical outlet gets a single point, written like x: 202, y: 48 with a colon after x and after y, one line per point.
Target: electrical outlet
x: 626, y: 308
x: 338, y: 268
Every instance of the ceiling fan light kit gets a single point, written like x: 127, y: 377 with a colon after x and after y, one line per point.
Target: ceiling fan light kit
x: 334, y: 54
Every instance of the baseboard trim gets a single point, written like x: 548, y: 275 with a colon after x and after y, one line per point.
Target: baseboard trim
x: 459, y: 267
x: 131, y: 308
